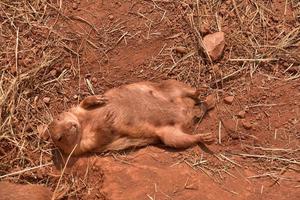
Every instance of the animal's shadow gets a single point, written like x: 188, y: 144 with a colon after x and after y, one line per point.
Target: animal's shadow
x: 60, y: 160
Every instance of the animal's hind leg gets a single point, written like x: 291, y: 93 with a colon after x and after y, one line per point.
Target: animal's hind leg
x: 174, y: 137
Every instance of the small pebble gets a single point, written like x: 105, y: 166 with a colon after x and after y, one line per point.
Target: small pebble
x: 204, y: 29
x: 53, y: 72
x: 110, y: 17
x: 46, y: 100
x: 28, y: 128
x: 94, y: 80
x: 210, y: 102
x: 214, y: 44
x: 247, y: 125
x: 87, y: 75
x: 180, y: 49
x: 229, y: 125
x: 286, y: 64
x: 228, y: 2
x: 229, y: 99
x: 241, y: 114
x: 75, y: 6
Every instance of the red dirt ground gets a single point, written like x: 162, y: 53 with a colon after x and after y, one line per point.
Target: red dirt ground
x: 134, y: 44
x: 157, y: 173
x: 271, y: 105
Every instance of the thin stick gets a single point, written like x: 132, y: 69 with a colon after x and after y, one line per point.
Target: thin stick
x: 25, y: 170
x: 85, y: 21
x: 229, y: 75
x: 288, y: 68
x: 119, y: 40
x: 181, y: 59
x: 237, y: 12
x: 266, y: 105
x: 273, y: 149
x: 275, y: 134
x: 269, y: 157
x: 285, y: 6
x: 16, y: 52
x: 262, y: 189
x: 151, y: 198
x: 254, y: 59
x: 90, y: 86
x: 220, y: 126
x: 228, y: 159
x: 62, y: 173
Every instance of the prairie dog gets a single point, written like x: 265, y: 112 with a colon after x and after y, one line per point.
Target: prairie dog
x: 131, y: 115
x: 12, y: 191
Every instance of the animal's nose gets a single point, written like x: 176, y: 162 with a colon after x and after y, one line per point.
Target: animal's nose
x: 57, y: 137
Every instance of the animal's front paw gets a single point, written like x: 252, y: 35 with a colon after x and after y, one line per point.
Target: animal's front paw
x: 100, y: 99
x: 206, y: 138
x: 91, y: 102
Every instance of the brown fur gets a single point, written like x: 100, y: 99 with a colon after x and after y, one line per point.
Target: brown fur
x: 131, y: 115
x: 11, y: 191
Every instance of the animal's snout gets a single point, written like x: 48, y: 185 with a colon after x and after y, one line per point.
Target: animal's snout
x: 57, y: 136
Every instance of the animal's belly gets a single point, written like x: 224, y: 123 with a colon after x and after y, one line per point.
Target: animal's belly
x: 157, y: 115
x: 138, y: 106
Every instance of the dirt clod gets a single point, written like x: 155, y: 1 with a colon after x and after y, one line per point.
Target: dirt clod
x: 210, y: 102
x: 229, y: 124
x: 247, y: 125
x: 229, y: 99
x: 180, y: 49
x: 230, y: 127
x: 75, y: 96
x: 214, y: 44
x: 241, y: 114
x: 94, y: 80
x: 53, y: 72
x: 110, y: 17
x: 46, y: 100
x: 75, y: 6
x: 204, y: 29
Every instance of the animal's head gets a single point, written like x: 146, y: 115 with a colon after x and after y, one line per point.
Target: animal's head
x: 65, y: 131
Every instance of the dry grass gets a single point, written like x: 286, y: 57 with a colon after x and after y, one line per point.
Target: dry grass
x: 258, y: 41
x: 30, y: 52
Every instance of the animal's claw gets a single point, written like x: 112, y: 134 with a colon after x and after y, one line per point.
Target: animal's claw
x: 207, y: 138
x: 101, y: 99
